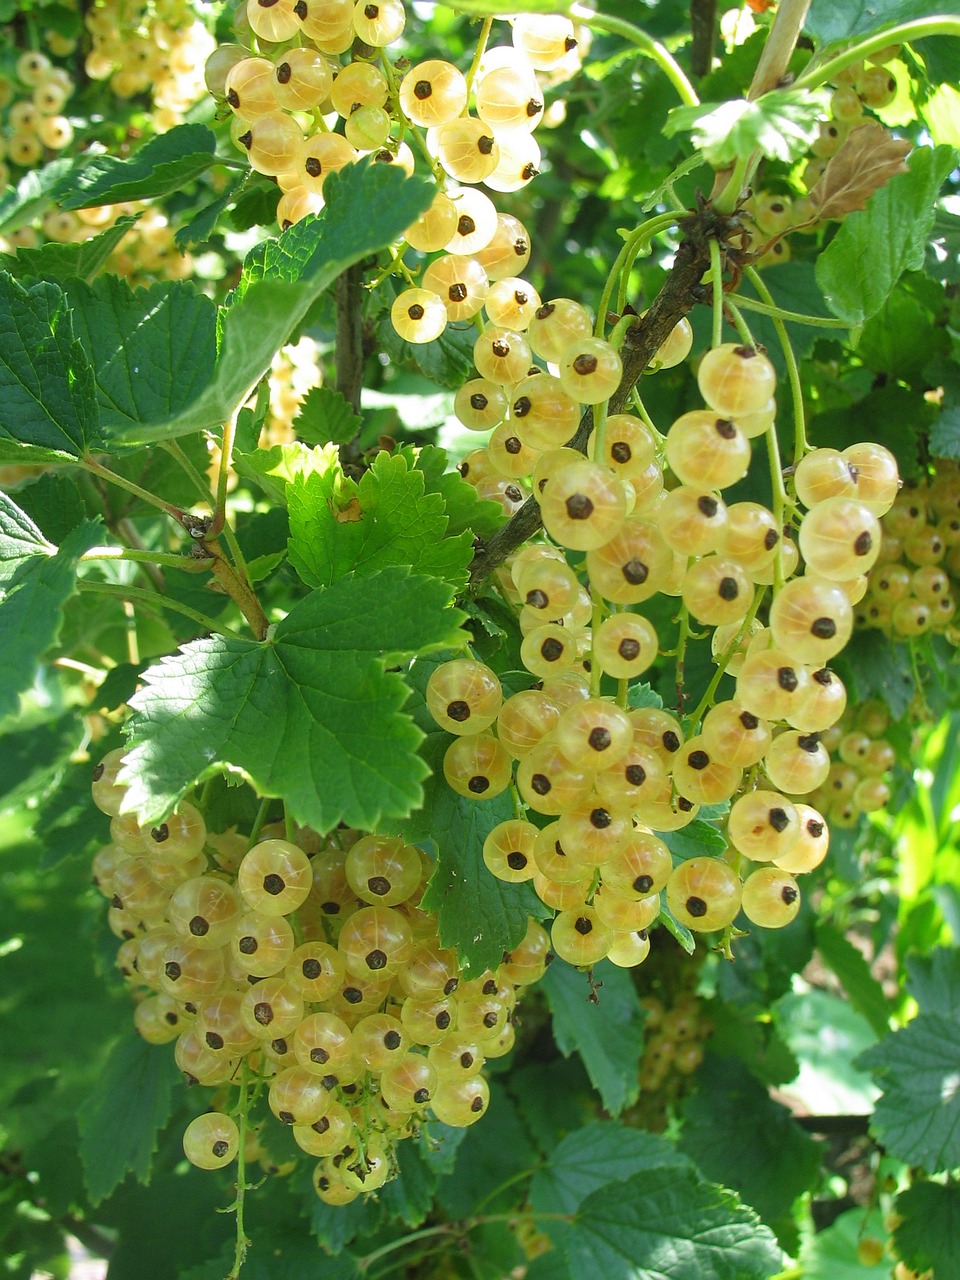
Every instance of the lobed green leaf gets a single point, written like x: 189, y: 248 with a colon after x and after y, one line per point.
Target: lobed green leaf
x: 162, y: 166
x: 927, y: 1235
x: 310, y: 715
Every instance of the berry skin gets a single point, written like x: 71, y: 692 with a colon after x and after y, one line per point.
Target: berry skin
x: 590, y: 370
x: 734, y: 379
x: 771, y: 898
x: 274, y: 878
x: 464, y: 696
x: 418, y: 315
x: 703, y: 894
x: 211, y: 1141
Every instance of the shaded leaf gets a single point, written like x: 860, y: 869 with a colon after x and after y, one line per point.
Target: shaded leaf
x: 868, y: 158
x: 120, y: 1122
x: 737, y: 1135
x: 152, y: 350
x: 54, y: 260
x: 934, y: 981
x: 608, y: 1034
x: 33, y: 194
x: 848, y: 964
x: 927, y: 1235
x: 917, y: 1116
x: 325, y: 417
x: 47, y: 394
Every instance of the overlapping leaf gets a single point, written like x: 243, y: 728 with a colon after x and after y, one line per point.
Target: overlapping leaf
x: 310, y: 715
x: 781, y: 125
x: 48, y: 406
x: 339, y: 526
x: 163, y: 165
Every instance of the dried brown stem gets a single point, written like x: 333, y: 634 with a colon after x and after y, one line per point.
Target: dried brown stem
x: 679, y: 294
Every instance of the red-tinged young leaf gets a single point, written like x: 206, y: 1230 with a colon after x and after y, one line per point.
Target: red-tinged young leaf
x: 310, y: 715
x: 120, y: 1121
x: 868, y: 158
x: 917, y: 1116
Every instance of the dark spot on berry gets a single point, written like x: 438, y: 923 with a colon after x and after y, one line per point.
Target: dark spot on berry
x: 516, y: 860
x: 379, y: 885
x: 319, y: 1055
x: 863, y: 544
x: 584, y: 365
x: 778, y: 819
x: 635, y: 774
x: 789, y: 895
x: 284, y: 72
x: 599, y: 738
x: 456, y: 293
x: 600, y: 819
x: 465, y: 225
x: 770, y: 539
x: 696, y: 907
x: 478, y: 784
x: 635, y: 572
x: 579, y: 507
x: 787, y: 679
x: 199, y: 927
x: 725, y: 429
x: 421, y: 1096
x: 415, y: 312
x: 422, y: 90
x: 824, y: 628
x: 458, y: 710
x: 670, y: 740
x: 643, y: 884
x: 629, y: 649
x: 263, y: 1012
x: 708, y: 506
x: 485, y: 144
x: 273, y: 884
x: 540, y: 784
x: 312, y: 166
x: 698, y: 760
x: 478, y: 401
x: 512, y: 445
x: 728, y: 589
x: 583, y: 925
x: 551, y: 649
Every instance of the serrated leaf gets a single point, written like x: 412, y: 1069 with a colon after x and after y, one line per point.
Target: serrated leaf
x: 152, y: 350
x: 608, y: 1034
x: 917, y: 1116
x: 643, y: 695
x: 465, y: 510
x: 781, y: 125
x: 53, y: 502
x: 326, y: 417
x: 409, y: 1196
x: 201, y: 226
x: 33, y: 194
x: 163, y: 165
x: 47, y: 395
x: 668, y: 1222
x: 945, y: 434
x: 934, y: 981
x: 120, y: 1121
x: 310, y: 715
x: 736, y: 1134
x: 491, y: 1161
x: 859, y: 268
x: 20, y: 539
x: 82, y: 261
x: 339, y: 526
x: 927, y: 1235
x: 596, y: 1156
x: 368, y: 206
x: 867, y: 159
x: 274, y: 469
x: 31, y: 608
x: 336, y: 1225
x: 446, y: 362
x: 848, y: 964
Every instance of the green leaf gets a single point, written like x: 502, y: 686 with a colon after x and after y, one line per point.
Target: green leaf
x: 668, y: 1222
x: 162, y: 166
x: 917, y: 1117
x: 278, y: 1255
x: 736, y: 1134
x: 53, y: 501
x: 82, y: 261
x: 831, y: 23
x: 310, y: 715
x: 596, y: 1156
x: 496, y: 7
x: 274, y: 469
x: 446, y: 362
x: 477, y: 914
x: 831, y: 1254
x: 781, y: 125
x: 879, y: 668
x: 33, y: 194
x: 338, y: 526
x: 927, y: 1237
x: 20, y: 539
x: 607, y: 1033
x: 891, y: 415
x: 464, y: 509
x: 862, y: 988
x: 643, y: 695
x: 201, y: 226
x: 698, y: 839
x: 934, y: 981
x: 368, y: 206
x: 153, y: 350
x: 47, y: 394
x: 859, y: 268
x: 490, y: 1161
x: 120, y: 1121
x: 326, y: 417
x: 409, y: 1196
x: 945, y: 435
x: 31, y: 607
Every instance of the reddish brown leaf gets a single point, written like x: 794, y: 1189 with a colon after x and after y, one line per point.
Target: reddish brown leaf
x: 868, y: 158
x: 348, y: 514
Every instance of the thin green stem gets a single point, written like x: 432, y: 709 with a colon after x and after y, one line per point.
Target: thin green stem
x: 203, y: 488
x: 454, y: 1229
x: 259, y: 820
x: 800, y: 445
x: 477, y: 56
x: 170, y: 559
x: 223, y: 475
x: 620, y: 271
x: 646, y: 44
x: 725, y: 201
x: 97, y: 469
x: 681, y: 654
x: 724, y: 661
x: 716, y: 272
x: 155, y: 602
x: 905, y: 33
x: 243, y: 1112
x: 741, y: 326
x: 778, y: 313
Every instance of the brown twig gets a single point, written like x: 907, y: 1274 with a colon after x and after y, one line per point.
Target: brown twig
x: 703, y: 29
x: 641, y: 343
